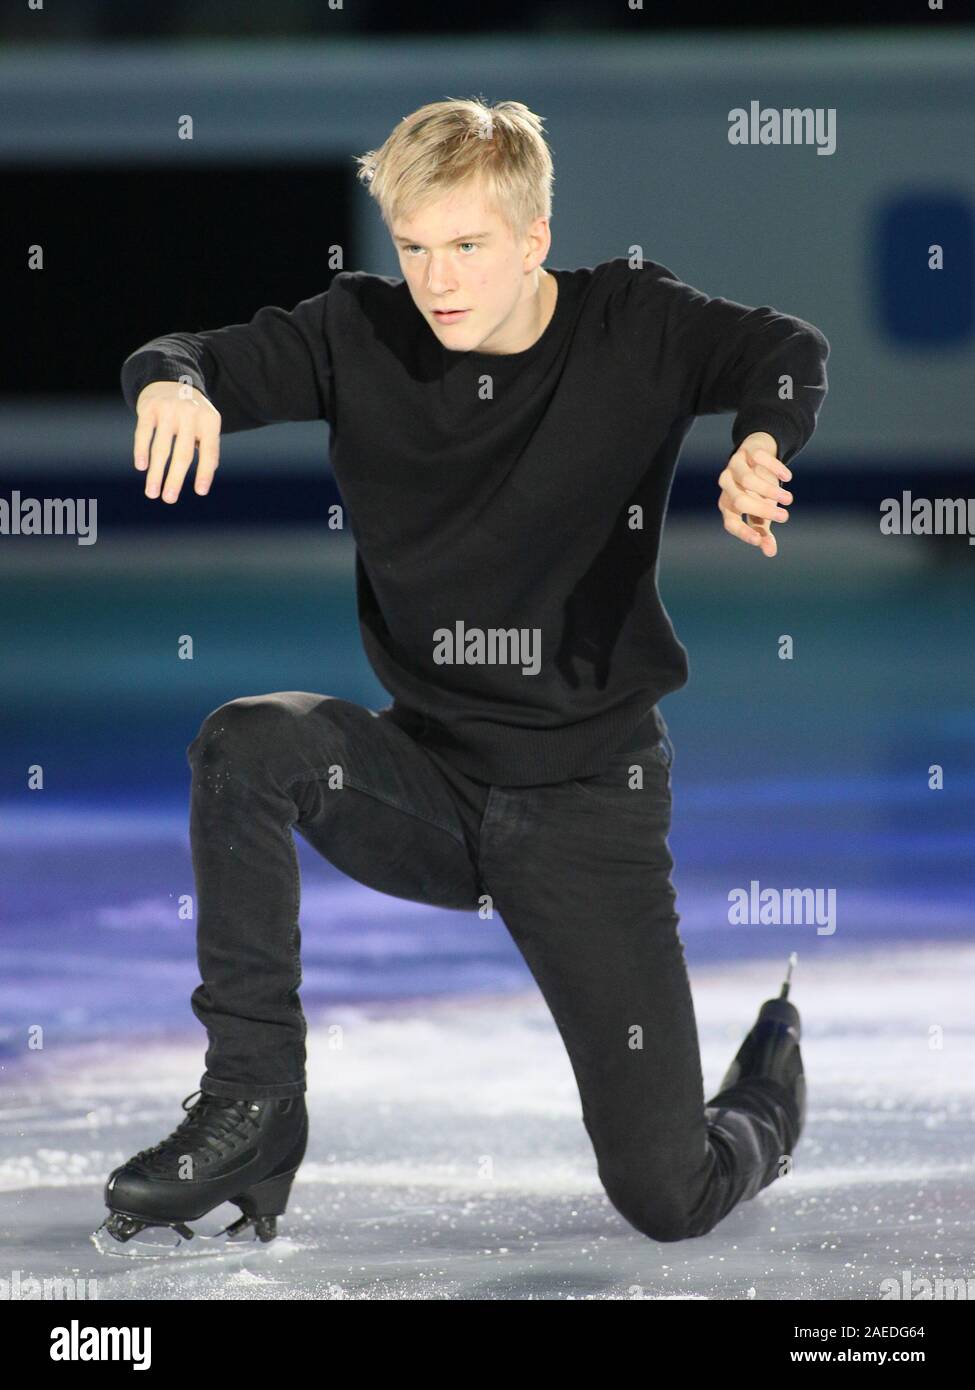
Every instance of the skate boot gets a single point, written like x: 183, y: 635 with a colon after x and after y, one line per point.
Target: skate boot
x: 771, y: 1051
x: 241, y: 1151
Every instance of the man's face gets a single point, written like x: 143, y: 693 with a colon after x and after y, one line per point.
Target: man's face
x: 457, y: 253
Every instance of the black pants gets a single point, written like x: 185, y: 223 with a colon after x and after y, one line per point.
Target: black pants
x: 579, y: 872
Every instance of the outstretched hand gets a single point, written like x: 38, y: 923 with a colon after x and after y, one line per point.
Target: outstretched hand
x: 177, y: 417
x: 750, y: 488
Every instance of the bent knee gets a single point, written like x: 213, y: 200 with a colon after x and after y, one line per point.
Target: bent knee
x: 240, y: 728
x: 661, y: 1215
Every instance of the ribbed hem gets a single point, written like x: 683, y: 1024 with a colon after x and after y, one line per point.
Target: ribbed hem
x: 783, y: 429
x: 144, y: 366
x: 236, y: 1090
x: 507, y: 756
x: 645, y: 735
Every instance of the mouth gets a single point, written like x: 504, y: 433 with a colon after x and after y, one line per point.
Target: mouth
x: 449, y: 315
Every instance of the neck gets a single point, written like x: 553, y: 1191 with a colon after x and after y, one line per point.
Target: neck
x: 546, y: 298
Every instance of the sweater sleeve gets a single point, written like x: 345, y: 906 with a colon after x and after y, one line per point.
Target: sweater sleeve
x: 275, y: 368
x: 769, y: 368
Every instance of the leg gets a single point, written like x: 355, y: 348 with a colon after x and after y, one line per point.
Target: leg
x: 262, y: 765
x: 580, y: 872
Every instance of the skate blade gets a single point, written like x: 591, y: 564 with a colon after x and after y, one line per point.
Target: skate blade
x: 164, y: 1242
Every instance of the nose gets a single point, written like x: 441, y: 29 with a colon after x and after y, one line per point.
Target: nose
x: 440, y: 277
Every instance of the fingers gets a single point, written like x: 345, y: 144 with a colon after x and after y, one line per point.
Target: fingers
x: 183, y: 452
x: 738, y: 500
x: 756, y: 488
x: 751, y: 487
x: 760, y: 467
x: 209, y: 460
x: 763, y: 530
x: 163, y: 420
x: 735, y: 526
x: 143, y: 434
x: 176, y: 426
x: 762, y: 473
x: 757, y: 534
x: 774, y: 465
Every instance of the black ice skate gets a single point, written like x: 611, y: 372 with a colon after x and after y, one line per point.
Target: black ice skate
x: 771, y: 1050
x: 241, y: 1151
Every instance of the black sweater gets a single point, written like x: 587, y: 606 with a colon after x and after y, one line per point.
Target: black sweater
x: 499, y: 498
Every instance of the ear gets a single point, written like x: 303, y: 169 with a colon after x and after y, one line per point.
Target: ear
x: 538, y: 241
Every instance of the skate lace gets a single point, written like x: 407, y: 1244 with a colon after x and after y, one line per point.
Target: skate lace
x: 211, y: 1120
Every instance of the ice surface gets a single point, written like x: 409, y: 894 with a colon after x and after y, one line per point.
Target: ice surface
x: 447, y: 1157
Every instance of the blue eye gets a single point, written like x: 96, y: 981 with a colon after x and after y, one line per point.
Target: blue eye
x: 414, y: 247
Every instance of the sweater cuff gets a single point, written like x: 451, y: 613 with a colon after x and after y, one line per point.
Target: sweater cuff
x: 147, y: 365
x: 783, y: 430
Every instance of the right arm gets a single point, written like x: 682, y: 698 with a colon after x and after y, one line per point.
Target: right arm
x: 188, y: 388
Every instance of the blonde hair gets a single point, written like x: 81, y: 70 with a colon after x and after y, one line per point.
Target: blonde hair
x: 447, y: 143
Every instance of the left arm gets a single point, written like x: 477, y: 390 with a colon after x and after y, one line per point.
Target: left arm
x: 769, y: 368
